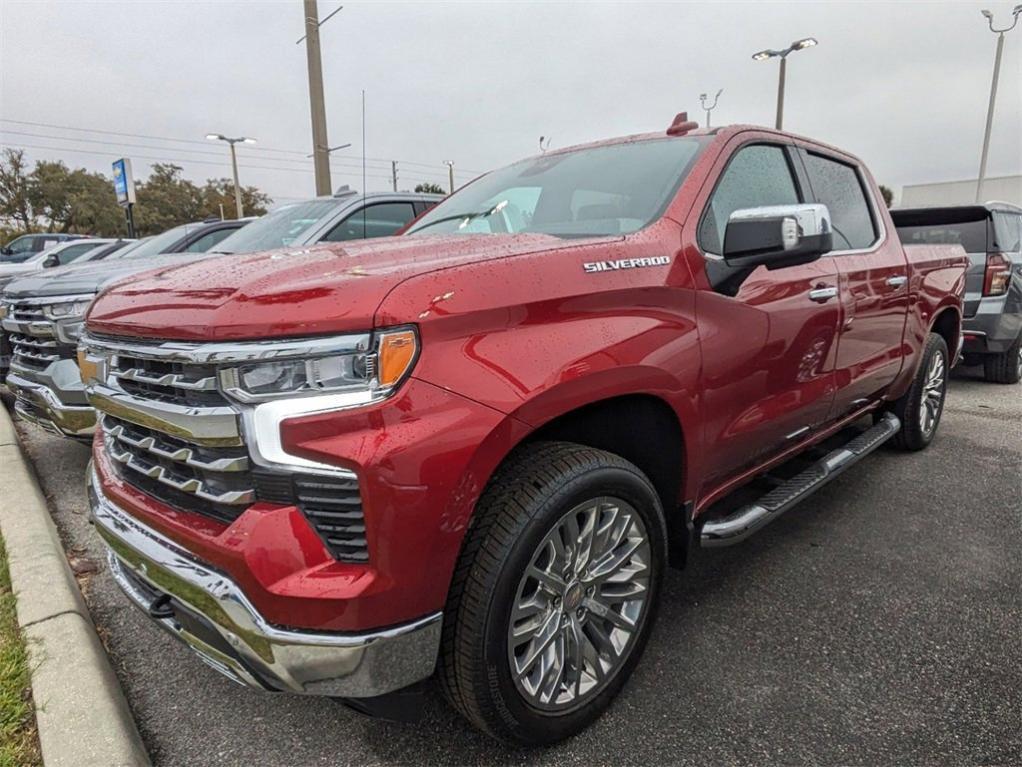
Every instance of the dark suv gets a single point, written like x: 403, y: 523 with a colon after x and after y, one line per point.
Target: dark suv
x: 992, y: 236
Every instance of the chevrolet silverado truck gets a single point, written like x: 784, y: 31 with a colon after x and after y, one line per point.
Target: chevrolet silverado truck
x: 42, y: 315
x: 472, y: 451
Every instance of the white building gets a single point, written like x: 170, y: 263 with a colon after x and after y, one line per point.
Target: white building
x: 1002, y: 188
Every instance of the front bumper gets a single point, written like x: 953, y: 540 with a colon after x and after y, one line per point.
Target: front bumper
x: 53, y: 399
x: 210, y: 613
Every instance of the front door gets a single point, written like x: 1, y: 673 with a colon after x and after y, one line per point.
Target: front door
x: 769, y: 337
x: 874, y: 283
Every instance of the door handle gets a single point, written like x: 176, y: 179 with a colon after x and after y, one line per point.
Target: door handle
x: 822, y: 293
x: 897, y: 281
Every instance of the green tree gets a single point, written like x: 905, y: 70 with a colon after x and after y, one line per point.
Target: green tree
x: 430, y: 188
x: 14, y: 189
x: 887, y: 194
x: 74, y: 200
x: 220, y: 191
x: 165, y: 200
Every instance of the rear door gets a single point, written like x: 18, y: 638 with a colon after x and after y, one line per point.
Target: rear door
x: 874, y: 281
x: 768, y: 336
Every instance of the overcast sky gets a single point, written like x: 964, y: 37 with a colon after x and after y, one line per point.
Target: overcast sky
x: 902, y: 84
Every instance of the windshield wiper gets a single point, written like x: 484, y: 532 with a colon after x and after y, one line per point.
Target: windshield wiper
x: 467, y: 216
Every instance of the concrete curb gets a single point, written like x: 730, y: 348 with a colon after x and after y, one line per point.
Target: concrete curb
x: 81, y: 713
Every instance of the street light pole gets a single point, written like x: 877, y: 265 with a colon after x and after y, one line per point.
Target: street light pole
x: 769, y: 53
x: 702, y: 102
x: 993, y: 94
x: 234, y: 164
x: 450, y: 173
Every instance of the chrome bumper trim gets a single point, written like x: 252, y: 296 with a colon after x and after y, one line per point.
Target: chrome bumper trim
x: 53, y: 415
x: 342, y: 665
x: 212, y: 426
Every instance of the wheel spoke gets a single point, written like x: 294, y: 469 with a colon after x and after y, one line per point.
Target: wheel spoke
x: 549, y: 581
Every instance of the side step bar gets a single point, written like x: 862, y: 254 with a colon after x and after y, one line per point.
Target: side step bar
x: 743, y: 522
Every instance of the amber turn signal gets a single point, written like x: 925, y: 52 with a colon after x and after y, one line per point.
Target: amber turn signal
x: 396, y: 354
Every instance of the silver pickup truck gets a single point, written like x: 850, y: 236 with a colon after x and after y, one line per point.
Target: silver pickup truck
x: 43, y: 315
x: 992, y: 236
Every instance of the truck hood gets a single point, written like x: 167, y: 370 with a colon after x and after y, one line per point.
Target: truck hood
x: 75, y: 279
x: 331, y: 288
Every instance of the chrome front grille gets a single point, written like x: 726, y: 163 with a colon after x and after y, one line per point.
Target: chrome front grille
x: 168, y: 381
x: 27, y: 313
x: 37, y: 353
x: 171, y: 432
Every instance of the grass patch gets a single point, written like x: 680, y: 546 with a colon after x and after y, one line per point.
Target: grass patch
x: 19, y: 744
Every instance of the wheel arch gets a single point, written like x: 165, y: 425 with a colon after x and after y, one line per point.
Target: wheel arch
x: 947, y: 323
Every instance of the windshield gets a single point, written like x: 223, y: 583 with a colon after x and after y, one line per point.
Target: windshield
x: 128, y: 250
x: 278, y: 229
x: 606, y: 190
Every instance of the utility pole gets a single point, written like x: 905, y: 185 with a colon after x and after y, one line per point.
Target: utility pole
x: 320, y: 145
x: 393, y: 173
x: 769, y: 53
x: 450, y: 173
x: 993, y: 94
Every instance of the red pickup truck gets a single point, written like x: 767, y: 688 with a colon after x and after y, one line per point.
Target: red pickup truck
x: 470, y: 452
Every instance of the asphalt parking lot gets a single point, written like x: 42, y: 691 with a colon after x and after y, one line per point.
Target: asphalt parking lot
x: 879, y: 623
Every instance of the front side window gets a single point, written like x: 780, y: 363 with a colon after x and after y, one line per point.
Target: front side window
x: 757, y: 176
x: 71, y: 252
x: 597, y: 191
x: 380, y: 220
x: 839, y: 187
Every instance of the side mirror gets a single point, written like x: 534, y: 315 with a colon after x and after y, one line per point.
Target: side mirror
x: 777, y: 236
x: 51, y: 261
x: 5, y: 251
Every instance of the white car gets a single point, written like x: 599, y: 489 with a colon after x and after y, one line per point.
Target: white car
x: 59, y: 255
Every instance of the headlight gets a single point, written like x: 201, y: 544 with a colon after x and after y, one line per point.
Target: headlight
x: 375, y: 371
x: 67, y: 309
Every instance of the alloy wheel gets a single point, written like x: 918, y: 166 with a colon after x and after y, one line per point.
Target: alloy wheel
x: 932, y: 399
x: 580, y: 604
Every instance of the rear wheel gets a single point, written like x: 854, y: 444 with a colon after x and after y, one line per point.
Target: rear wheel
x: 1006, y: 367
x: 921, y: 407
x: 555, y: 592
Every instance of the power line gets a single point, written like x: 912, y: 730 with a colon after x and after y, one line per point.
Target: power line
x: 340, y: 162
x: 259, y: 148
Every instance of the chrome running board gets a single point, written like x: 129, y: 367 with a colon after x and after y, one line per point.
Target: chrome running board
x: 743, y: 522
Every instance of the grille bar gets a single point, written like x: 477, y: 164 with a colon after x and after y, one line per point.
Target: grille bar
x: 36, y: 343
x: 174, y: 380
x: 190, y: 485
x: 185, y: 455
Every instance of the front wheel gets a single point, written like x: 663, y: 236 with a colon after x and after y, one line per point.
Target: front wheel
x: 555, y: 592
x: 921, y: 407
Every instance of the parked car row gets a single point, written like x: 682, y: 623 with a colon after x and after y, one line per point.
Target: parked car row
x: 469, y: 451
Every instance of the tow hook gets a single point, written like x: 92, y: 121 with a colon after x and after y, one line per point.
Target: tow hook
x: 160, y: 608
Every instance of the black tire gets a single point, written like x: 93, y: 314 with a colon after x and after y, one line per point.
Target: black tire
x: 524, y: 501
x: 913, y: 434
x: 1004, y: 368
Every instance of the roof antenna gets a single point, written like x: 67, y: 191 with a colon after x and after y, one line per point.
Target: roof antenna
x: 543, y: 147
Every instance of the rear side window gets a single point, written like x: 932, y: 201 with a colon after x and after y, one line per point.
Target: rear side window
x: 971, y: 235
x: 379, y: 220
x: 840, y: 188
x: 757, y: 176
